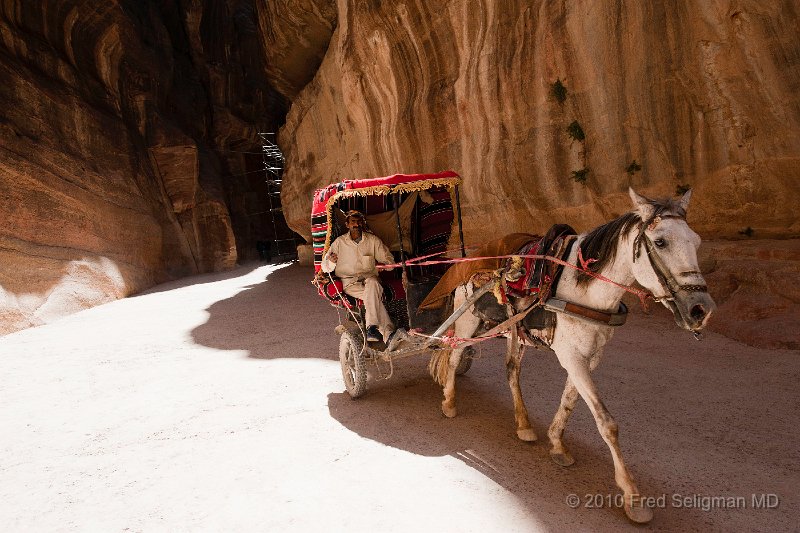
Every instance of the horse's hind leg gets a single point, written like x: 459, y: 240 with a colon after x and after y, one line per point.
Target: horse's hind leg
x: 559, y: 452
x: 569, y: 397
x: 513, y: 363
x: 465, y: 327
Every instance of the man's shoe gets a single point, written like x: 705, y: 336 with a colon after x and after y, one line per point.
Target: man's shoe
x: 373, y: 335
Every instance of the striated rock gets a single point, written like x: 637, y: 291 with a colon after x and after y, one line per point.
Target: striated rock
x: 121, y: 134
x: 757, y: 287
x: 305, y: 254
x: 179, y: 167
x: 130, y: 149
x: 698, y: 94
x: 296, y: 34
x: 659, y: 97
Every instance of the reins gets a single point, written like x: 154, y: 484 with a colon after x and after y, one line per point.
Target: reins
x: 666, y: 279
x: 643, y: 295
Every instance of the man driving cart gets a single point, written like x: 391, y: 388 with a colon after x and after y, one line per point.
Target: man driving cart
x: 353, y: 258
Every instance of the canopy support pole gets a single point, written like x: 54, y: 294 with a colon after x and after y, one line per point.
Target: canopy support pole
x: 400, y: 232
x: 460, y: 227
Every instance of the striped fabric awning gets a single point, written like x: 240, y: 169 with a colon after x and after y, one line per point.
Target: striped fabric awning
x: 372, y: 196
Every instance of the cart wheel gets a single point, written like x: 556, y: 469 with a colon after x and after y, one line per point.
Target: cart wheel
x: 354, y: 367
x: 466, y: 361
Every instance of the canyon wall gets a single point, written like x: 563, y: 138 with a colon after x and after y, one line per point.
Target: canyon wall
x: 550, y: 110
x: 120, y: 125
x: 699, y: 94
x: 130, y: 154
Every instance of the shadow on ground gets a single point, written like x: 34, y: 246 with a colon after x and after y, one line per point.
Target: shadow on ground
x: 280, y: 317
x: 693, y: 417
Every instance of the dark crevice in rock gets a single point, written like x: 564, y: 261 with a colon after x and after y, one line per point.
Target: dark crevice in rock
x: 124, y: 128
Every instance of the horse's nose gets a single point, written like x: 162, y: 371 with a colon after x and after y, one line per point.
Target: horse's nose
x: 698, y: 313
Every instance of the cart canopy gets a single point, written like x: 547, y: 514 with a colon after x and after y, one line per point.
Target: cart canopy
x: 424, y: 203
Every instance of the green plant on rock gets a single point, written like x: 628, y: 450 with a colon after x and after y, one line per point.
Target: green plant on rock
x: 558, y: 91
x: 633, y: 168
x: 680, y: 190
x: 575, y: 131
x: 580, y: 175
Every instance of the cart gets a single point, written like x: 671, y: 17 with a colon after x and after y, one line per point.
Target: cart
x: 416, y: 216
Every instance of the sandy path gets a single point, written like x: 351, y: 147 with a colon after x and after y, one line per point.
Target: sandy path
x: 216, y: 403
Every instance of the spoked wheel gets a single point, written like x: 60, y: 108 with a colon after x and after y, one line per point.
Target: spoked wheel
x: 466, y: 361
x: 354, y: 366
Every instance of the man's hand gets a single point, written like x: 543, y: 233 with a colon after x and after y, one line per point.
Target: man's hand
x: 333, y: 258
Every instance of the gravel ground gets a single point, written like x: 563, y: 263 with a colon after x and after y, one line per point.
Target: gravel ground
x: 216, y: 403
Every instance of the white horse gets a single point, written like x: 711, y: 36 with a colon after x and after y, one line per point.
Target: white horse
x: 653, y: 246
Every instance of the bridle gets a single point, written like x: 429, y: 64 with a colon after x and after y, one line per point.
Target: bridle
x: 668, y: 282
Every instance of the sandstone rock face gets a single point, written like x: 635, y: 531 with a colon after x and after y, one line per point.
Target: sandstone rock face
x: 295, y: 34
x: 699, y: 94
x: 120, y: 129
x: 129, y: 146
x: 695, y: 94
x: 757, y: 287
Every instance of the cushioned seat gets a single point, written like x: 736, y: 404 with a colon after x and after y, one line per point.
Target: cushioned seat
x: 392, y: 290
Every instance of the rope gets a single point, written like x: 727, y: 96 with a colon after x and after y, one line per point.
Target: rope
x: 415, y: 260
x: 584, y: 267
x: 454, y: 342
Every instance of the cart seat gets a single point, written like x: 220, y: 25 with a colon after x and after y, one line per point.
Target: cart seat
x: 392, y: 290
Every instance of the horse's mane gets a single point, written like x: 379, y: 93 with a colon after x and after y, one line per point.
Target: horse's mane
x: 601, y: 243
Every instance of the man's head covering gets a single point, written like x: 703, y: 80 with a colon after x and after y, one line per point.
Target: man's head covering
x: 353, y: 213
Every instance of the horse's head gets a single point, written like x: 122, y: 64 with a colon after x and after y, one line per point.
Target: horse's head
x: 665, y: 260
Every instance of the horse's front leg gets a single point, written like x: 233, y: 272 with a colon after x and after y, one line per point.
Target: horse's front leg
x: 569, y: 397
x: 513, y: 363
x: 465, y: 327
x: 579, y: 372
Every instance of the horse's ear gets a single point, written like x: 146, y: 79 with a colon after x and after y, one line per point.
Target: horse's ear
x: 643, y: 205
x: 684, y: 201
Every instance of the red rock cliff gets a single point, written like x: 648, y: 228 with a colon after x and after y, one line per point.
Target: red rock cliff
x: 666, y: 96
x: 703, y: 94
x: 120, y: 125
x: 125, y: 129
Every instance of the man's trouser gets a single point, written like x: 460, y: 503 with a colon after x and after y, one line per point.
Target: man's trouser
x: 372, y: 293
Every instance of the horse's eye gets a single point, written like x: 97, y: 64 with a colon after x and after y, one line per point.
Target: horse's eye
x: 660, y: 243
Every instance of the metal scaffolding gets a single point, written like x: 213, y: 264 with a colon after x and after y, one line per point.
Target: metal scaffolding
x: 281, y: 248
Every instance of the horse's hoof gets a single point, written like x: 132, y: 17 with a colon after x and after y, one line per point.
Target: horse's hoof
x: 449, y: 410
x: 638, y: 513
x: 528, y: 435
x: 563, y: 459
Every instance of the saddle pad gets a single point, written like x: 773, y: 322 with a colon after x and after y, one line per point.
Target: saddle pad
x: 540, y: 273
x: 537, y: 271
x: 460, y: 273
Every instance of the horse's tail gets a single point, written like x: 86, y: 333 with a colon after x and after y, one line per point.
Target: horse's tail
x: 437, y: 367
